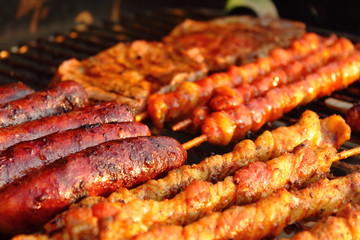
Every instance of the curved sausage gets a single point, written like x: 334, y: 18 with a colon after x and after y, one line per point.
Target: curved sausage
x: 24, y: 157
x: 99, y: 170
x: 14, y: 91
x: 99, y: 113
x: 58, y: 99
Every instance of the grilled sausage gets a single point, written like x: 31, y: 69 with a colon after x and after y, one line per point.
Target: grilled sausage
x: 58, y: 99
x: 14, y: 91
x: 99, y: 170
x: 24, y: 157
x: 99, y: 113
x: 353, y: 117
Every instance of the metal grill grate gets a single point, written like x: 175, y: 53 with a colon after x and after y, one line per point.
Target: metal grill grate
x: 35, y: 63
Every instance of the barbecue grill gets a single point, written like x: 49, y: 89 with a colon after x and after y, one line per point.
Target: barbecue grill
x: 35, y: 62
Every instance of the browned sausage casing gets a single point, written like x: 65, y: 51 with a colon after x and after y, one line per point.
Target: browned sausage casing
x: 353, y: 117
x: 14, y: 91
x: 99, y: 170
x: 24, y: 157
x: 99, y: 113
x: 58, y: 99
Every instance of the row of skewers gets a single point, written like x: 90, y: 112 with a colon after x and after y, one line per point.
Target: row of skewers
x: 253, y: 192
x: 224, y: 107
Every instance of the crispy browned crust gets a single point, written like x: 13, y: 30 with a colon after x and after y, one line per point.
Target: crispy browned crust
x: 60, y: 98
x: 345, y: 225
x: 99, y: 170
x: 98, y: 113
x: 17, y: 161
x: 268, y: 216
x: 329, y: 131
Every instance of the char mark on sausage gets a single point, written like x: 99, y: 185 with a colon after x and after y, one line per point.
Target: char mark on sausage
x: 104, y: 112
x: 58, y: 99
x: 22, y: 158
x: 99, y: 170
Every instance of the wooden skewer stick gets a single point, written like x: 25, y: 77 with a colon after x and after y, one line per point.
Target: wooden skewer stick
x: 181, y: 125
x: 347, y: 167
x: 141, y: 116
x: 338, y: 105
x: 346, y: 153
x: 194, y: 142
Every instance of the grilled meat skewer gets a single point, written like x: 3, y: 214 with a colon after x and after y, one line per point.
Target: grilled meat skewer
x: 99, y: 170
x: 229, y: 125
x: 268, y: 216
x: 200, y: 197
x: 13, y: 91
x: 181, y: 102
x: 345, y: 225
x: 331, y: 131
x: 58, y: 99
x: 227, y: 97
x: 104, y: 112
x: 23, y: 158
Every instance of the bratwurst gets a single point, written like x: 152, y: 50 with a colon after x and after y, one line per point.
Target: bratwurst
x: 58, y: 99
x: 22, y: 158
x: 28, y: 204
x: 104, y: 112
